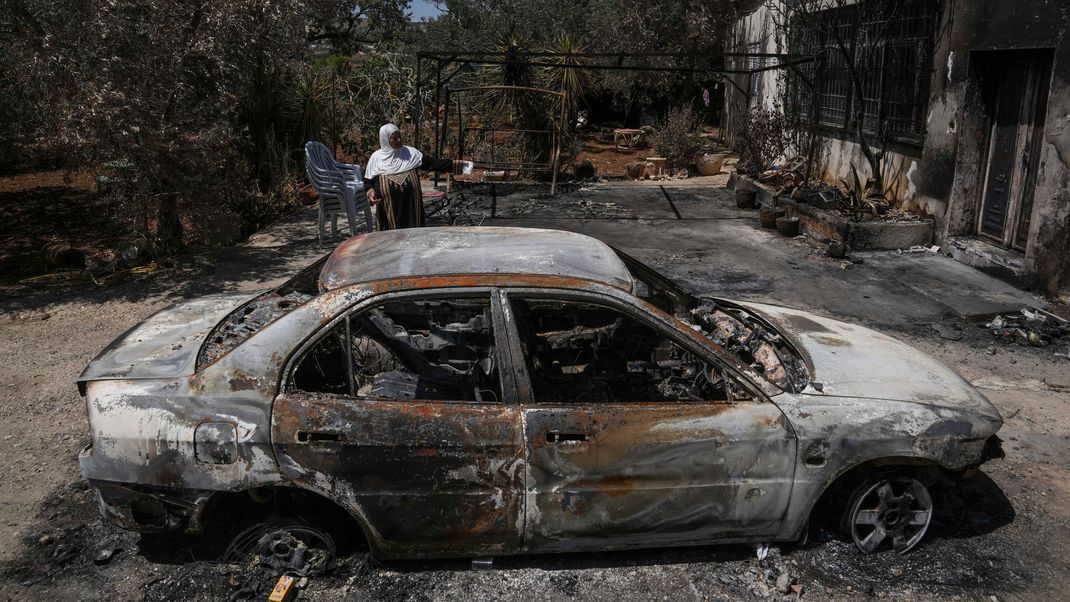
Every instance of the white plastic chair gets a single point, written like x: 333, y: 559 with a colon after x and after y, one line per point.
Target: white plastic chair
x: 340, y: 187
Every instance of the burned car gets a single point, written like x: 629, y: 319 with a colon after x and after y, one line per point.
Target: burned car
x: 489, y: 391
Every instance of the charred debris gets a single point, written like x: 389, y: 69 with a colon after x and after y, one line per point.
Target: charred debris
x: 752, y: 341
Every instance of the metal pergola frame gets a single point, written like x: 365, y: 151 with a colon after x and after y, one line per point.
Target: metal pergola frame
x: 443, y: 59
x: 555, y: 133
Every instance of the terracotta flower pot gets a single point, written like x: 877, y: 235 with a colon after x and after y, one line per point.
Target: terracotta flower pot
x: 709, y: 165
x: 768, y: 216
x: 788, y: 226
x: 746, y: 198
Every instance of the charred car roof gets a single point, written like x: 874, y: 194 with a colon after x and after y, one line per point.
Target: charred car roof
x: 483, y: 250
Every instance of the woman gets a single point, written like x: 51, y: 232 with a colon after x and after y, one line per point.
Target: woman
x: 393, y: 183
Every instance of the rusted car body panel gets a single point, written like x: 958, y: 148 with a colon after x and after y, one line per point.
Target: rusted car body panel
x: 421, y: 473
x: 900, y: 402
x: 440, y: 478
x: 853, y: 361
x: 651, y: 474
x: 165, y: 343
x: 458, y: 250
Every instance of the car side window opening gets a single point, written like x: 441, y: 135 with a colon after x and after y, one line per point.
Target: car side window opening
x: 584, y: 352
x: 409, y: 349
x: 323, y: 367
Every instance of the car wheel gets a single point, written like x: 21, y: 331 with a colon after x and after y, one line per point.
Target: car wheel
x: 890, y: 512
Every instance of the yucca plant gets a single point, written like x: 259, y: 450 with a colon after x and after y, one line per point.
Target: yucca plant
x: 518, y: 108
x: 307, y: 101
x: 571, y: 81
x: 565, y: 77
x: 512, y: 45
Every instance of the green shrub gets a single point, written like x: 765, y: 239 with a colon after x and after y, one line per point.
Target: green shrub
x: 678, y: 139
x: 764, y: 137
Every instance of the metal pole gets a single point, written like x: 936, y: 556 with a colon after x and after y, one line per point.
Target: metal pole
x: 438, y: 94
x: 557, y: 146
x: 445, y: 123
x: 460, y: 131
x: 418, y: 117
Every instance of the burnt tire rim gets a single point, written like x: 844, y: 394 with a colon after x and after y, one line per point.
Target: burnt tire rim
x: 892, y: 513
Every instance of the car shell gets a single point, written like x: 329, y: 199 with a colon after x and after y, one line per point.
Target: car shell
x: 169, y: 435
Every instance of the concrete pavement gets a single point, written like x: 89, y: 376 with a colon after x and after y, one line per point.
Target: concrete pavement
x: 714, y: 248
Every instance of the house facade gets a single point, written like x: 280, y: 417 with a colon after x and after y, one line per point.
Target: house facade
x: 968, y: 101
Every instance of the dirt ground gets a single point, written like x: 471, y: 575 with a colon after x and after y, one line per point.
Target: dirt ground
x: 996, y: 537
x: 38, y: 208
x: 611, y: 160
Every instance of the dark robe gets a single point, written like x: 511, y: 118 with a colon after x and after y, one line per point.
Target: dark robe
x: 400, y: 197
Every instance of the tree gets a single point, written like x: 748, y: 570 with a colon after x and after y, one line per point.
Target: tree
x: 188, y: 96
x: 347, y: 25
x: 848, y: 35
x: 694, y: 27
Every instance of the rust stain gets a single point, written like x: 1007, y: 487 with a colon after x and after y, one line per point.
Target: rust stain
x: 483, y: 280
x: 421, y: 410
x: 611, y: 485
x: 242, y: 382
x: 832, y: 341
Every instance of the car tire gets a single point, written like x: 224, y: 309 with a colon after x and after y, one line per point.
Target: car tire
x: 888, y: 512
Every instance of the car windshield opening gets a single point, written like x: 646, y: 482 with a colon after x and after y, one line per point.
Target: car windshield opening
x: 738, y: 331
x: 659, y: 291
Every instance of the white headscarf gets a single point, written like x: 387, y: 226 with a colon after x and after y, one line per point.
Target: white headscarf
x: 390, y: 161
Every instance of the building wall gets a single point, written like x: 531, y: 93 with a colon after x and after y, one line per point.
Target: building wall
x: 756, y: 31
x: 943, y: 178
x: 949, y: 181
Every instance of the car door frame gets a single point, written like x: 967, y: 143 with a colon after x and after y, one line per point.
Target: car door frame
x: 362, y: 504
x: 762, y: 407
x: 634, y: 307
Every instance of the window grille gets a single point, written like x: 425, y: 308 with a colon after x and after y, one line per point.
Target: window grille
x: 890, y: 44
x: 753, y: 62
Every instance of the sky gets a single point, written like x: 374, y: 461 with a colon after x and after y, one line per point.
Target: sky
x: 422, y: 9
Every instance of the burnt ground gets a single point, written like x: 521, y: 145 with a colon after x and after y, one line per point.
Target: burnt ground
x: 997, y: 535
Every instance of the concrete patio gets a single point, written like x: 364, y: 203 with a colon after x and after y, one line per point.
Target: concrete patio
x: 692, y: 231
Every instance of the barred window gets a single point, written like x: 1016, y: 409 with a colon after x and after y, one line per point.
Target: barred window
x: 754, y: 62
x: 890, y: 44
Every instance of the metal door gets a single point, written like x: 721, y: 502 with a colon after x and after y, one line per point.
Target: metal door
x: 1007, y: 196
x: 637, y: 473
x: 428, y: 476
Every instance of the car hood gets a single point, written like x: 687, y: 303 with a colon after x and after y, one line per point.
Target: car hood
x: 848, y: 360
x: 166, y: 343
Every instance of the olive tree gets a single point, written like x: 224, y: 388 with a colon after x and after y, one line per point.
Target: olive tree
x: 185, y: 96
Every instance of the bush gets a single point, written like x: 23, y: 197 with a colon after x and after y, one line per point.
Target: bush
x: 678, y: 140
x: 764, y: 137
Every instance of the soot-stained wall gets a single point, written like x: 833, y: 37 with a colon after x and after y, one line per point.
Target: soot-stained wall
x: 949, y: 178
x: 943, y: 177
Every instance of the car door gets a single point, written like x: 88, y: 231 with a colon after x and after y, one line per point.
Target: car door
x: 398, y: 412
x: 633, y: 438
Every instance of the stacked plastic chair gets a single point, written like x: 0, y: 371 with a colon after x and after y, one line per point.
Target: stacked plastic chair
x: 340, y: 187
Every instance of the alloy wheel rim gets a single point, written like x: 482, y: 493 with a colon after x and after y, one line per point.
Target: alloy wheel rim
x: 891, y: 512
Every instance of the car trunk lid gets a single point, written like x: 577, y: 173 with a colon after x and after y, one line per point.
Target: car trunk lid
x: 166, y: 343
